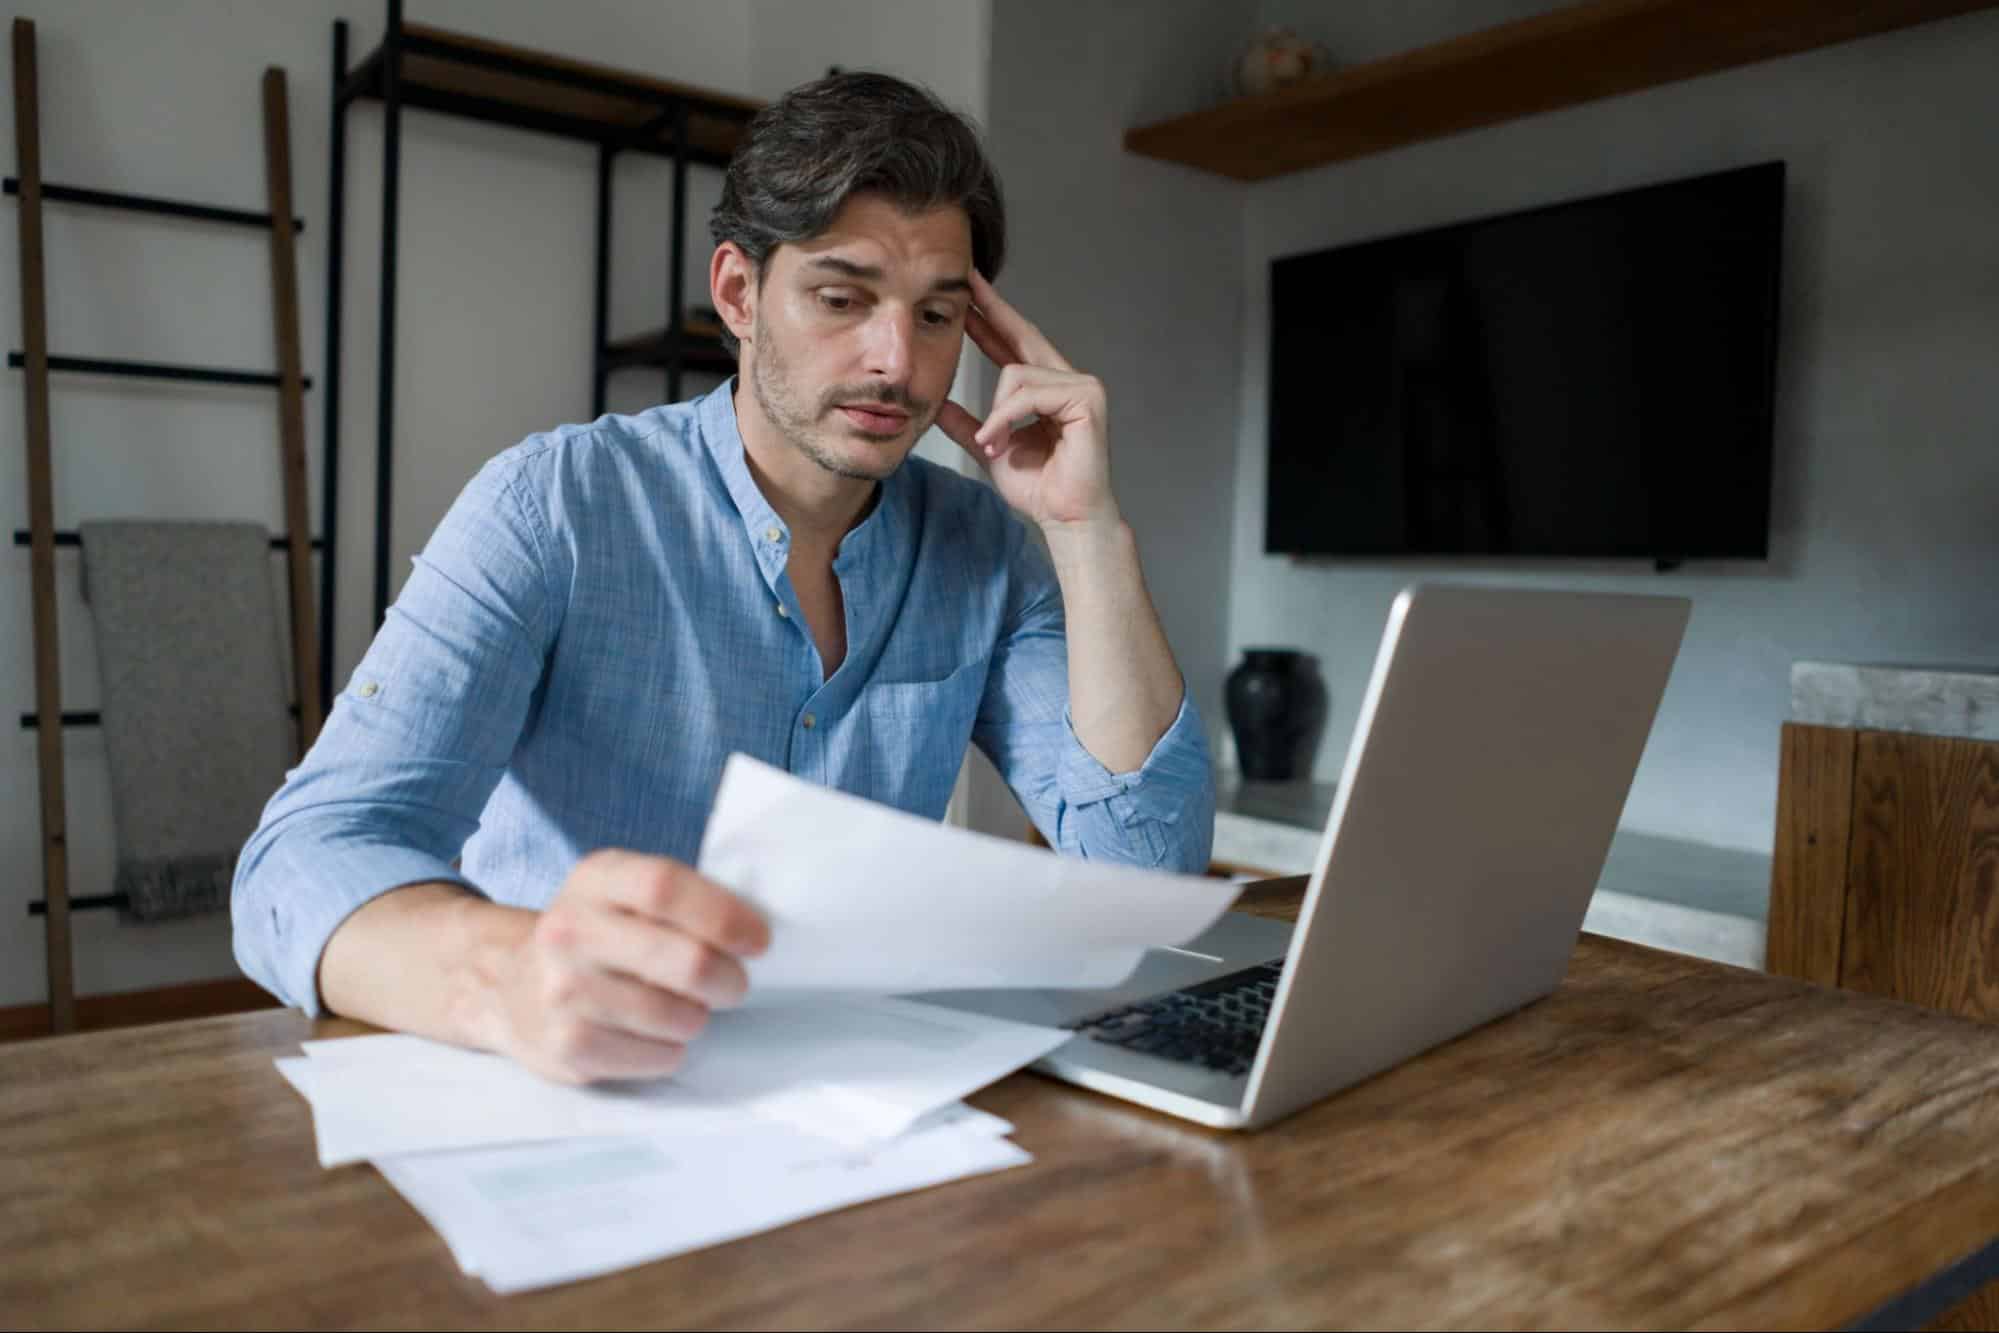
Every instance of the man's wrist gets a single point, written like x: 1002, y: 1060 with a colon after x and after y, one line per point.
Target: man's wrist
x: 486, y: 940
x: 1078, y: 542
x: 430, y: 958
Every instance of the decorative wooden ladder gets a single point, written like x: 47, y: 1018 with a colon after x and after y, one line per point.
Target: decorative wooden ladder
x: 42, y: 538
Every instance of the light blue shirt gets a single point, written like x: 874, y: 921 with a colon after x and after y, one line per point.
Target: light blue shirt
x: 604, y: 616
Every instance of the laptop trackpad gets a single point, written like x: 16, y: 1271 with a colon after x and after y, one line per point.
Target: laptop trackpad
x: 1234, y: 942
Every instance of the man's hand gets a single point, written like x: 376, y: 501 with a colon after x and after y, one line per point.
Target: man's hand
x: 1124, y: 688
x: 623, y: 967
x: 1056, y: 471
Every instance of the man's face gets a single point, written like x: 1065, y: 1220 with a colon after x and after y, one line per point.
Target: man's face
x: 857, y: 333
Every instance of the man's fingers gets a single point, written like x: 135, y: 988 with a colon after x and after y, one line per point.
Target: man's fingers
x: 674, y: 894
x: 961, y: 426
x: 589, y: 937
x: 623, y: 1004
x: 1014, y: 327
x: 989, y: 340
x: 586, y: 1052
x: 1031, y: 393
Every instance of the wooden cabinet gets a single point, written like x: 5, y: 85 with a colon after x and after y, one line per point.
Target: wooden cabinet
x: 1886, y: 880
x: 1886, y: 873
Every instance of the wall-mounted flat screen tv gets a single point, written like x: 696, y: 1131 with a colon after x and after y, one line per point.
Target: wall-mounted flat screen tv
x: 1593, y: 378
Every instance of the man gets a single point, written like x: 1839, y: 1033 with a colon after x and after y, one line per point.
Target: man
x: 608, y: 611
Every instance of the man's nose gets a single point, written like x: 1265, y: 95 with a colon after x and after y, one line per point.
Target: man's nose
x: 891, y: 344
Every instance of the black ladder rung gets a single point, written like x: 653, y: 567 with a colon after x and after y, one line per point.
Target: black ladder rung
x: 64, y: 537
x: 145, y: 203
x: 158, y: 370
x: 40, y: 906
x: 93, y: 718
x: 89, y: 718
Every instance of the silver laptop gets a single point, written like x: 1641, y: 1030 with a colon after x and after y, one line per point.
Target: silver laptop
x: 1495, y: 747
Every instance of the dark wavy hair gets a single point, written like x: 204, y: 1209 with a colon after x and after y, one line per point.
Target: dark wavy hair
x: 805, y: 154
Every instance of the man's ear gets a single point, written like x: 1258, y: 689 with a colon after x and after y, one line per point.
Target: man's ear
x: 732, y: 282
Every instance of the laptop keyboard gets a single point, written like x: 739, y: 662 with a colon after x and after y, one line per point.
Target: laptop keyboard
x: 1217, y: 1024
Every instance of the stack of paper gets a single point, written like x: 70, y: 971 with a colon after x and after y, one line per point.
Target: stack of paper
x: 532, y: 1183
x: 537, y: 1215
x: 823, y: 1091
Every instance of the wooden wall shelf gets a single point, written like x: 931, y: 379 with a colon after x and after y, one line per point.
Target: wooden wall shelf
x: 514, y: 85
x: 1573, y: 55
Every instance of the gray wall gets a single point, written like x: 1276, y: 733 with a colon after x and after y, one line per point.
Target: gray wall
x: 1133, y: 269
x: 1885, y: 541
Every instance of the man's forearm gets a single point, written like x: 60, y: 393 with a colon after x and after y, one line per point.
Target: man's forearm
x: 1124, y: 687
x: 424, y: 959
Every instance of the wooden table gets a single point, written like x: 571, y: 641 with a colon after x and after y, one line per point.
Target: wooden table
x: 1664, y: 1142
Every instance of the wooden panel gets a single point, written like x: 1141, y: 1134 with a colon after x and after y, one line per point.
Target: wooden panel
x: 1570, y: 56
x: 42, y: 529
x: 1922, y: 917
x: 1808, y: 868
x: 1665, y: 1142
x: 163, y: 1004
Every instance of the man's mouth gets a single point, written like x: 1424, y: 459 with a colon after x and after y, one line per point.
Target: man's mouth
x: 876, y: 420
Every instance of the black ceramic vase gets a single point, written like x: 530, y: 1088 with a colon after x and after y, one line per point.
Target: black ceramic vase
x: 1271, y: 704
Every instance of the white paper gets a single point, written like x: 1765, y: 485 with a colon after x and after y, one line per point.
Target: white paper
x: 856, y: 1069
x: 849, y: 1072
x: 861, y: 897
x: 536, y: 1215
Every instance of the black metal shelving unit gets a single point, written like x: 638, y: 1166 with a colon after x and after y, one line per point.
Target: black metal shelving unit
x: 458, y: 75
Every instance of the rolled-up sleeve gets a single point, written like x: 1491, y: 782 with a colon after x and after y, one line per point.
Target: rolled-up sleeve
x: 1161, y: 814
x: 415, y: 744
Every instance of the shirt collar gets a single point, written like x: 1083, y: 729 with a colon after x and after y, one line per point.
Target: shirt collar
x: 880, y: 536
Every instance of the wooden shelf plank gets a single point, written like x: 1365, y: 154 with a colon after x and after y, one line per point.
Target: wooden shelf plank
x: 1598, y: 49
x: 542, y: 91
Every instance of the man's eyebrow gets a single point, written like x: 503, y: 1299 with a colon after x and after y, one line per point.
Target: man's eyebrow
x: 847, y: 268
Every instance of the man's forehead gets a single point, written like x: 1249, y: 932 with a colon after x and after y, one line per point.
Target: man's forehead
x: 873, y: 232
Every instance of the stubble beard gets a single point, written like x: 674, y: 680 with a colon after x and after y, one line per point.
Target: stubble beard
x: 778, y: 395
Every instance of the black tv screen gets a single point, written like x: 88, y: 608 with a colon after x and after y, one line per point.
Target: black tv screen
x: 1593, y: 378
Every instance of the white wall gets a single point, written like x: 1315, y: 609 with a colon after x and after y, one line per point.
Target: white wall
x: 1885, y: 540
x: 1132, y: 267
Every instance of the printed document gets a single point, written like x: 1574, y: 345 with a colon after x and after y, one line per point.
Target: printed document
x: 861, y: 897
x: 545, y: 1213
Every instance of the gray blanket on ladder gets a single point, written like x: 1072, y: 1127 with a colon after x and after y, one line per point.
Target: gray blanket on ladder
x: 196, y: 726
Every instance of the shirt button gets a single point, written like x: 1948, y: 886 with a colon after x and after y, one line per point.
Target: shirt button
x: 782, y: 611
x: 810, y: 721
x: 774, y: 534
x: 369, y: 690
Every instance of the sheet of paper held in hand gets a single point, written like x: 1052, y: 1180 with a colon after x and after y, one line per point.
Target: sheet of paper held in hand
x: 861, y: 897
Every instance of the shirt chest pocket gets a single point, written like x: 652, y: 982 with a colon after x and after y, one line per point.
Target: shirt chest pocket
x: 912, y: 737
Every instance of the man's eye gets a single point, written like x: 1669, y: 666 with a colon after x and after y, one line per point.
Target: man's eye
x: 834, y: 301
